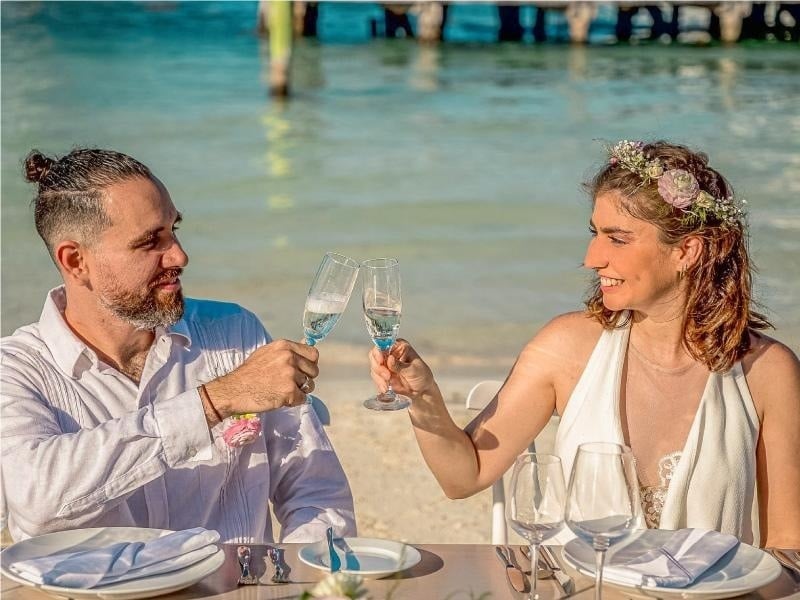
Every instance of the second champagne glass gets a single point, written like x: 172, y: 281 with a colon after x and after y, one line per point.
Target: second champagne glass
x: 328, y: 296
x: 536, y: 507
x: 602, y: 501
x: 382, y: 309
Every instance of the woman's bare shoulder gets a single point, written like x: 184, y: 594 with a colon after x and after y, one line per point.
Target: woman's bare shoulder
x: 768, y: 354
x: 571, y: 335
x: 772, y: 371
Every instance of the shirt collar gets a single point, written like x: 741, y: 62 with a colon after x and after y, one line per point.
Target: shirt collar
x: 67, y: 348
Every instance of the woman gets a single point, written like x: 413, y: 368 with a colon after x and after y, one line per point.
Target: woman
x: 667, y: 358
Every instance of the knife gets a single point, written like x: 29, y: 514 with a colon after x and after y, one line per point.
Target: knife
x: 336, y: 563
x: 564, y: 581
x: 516, y: 579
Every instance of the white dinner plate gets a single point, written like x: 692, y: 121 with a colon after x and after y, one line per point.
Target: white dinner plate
x: 743, y: 569
x: 99, y: 537
x: 368, y: 557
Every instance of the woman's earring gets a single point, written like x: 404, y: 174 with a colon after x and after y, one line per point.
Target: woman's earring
x: 682, y: 272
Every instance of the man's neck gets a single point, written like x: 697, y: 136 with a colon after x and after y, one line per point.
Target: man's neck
x: 115, y: 341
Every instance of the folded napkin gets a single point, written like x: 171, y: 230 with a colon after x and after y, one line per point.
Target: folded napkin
x: 687, y: 554
x: 121, y: 561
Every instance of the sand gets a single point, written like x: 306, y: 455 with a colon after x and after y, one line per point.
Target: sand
x: 395, y: 494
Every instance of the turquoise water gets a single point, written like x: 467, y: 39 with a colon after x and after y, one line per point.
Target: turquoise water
x: 464, y: 161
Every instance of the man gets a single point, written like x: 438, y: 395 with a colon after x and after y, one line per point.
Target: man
x: 114, y: 403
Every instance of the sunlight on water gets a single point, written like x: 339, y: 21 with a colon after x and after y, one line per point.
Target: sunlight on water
x: 465, y: 161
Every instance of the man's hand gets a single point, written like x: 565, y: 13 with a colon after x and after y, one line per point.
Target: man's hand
x: 275, y: 375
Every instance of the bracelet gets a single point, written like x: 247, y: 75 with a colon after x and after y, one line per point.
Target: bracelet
x: 207, y: 401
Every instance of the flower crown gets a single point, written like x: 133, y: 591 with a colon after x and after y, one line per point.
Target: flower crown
x: 677, y: 187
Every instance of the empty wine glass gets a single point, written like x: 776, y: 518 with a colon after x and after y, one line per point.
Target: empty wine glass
x: 382, y: 309
x: 536, y: 506
x: 602, y: 499
x: 328, y: 296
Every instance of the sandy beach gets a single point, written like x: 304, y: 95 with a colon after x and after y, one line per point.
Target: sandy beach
x: 395, y: 494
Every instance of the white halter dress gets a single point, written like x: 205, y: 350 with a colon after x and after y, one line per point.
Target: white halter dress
x: 713, y: 484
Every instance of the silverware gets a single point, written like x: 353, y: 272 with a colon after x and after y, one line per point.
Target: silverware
x: 246, y: 578
x: 336, y: 563
x: 542, y: 571
x: 281, y: 574
x: 516, y: 578
x: 789, y: 559
x: 564, y: 581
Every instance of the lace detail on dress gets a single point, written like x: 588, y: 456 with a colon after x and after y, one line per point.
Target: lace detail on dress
x: 653, y: 496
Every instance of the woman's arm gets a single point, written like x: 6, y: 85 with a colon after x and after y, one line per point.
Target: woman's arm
x: 467, y: 461
x: 773, y: 376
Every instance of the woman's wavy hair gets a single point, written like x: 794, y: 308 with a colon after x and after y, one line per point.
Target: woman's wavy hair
x: 719, y: 305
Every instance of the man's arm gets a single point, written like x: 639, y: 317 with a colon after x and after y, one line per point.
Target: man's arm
x: 308, y: 487
x: 55, y: 479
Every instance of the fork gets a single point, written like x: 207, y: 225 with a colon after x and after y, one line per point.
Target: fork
x: 246, y: 578
x: 276, y: 558
x: 789, y: 559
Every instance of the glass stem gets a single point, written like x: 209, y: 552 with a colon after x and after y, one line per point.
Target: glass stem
x: 599, y: 560
x: 389, y: 393
x: 534, y: 569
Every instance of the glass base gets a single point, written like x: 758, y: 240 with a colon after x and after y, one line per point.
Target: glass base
x: 387, y: 402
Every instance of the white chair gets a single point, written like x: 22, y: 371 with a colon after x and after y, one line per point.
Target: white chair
x: 478, y: 397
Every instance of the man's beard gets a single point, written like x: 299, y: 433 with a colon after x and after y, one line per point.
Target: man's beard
x: 147, y: 310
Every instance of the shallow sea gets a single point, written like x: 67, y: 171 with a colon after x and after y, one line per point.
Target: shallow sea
x: 463, y: 160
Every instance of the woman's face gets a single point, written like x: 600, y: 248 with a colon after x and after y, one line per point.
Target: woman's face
x: 636, y: 270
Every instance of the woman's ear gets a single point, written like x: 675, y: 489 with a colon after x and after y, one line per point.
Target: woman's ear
x: 690, y: 250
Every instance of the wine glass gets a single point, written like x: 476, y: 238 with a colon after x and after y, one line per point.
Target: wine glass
x: 536, y: 507
x: 382, y: 308
x: 602, y: 499
x: 328, y: 296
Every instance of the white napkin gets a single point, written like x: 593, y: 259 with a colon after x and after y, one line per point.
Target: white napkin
x: 121, y: 561
x: 687, y: 554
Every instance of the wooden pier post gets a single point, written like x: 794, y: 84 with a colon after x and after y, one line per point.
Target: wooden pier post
x: 275, y: 16
x: 431, y: 17
x: 731, y: 15
x: 579, y: 19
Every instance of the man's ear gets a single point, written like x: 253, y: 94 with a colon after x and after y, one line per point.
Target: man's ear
x: 690, y: 250
x: 71, y: 260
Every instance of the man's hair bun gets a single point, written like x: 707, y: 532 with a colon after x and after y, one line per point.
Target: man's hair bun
x: 37, y: 166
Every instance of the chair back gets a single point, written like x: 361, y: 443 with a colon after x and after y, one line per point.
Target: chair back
x: 478, y: 398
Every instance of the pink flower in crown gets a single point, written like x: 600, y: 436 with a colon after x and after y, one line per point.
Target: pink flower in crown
x: 243, y: 430
x: 678, y: 188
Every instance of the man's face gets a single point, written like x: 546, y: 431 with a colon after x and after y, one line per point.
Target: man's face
x: 136, y: 262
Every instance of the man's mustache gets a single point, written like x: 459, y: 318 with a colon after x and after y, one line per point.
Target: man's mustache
x: 166, y: 276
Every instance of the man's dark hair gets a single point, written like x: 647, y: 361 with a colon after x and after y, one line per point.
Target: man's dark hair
x: 69, y: 199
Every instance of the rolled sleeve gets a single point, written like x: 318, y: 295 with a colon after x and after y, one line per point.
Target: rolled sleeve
x: 183, y: 428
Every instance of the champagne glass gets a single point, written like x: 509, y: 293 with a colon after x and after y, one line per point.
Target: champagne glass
x: 602, y: 500
x: 536, y: 507
x: 382, y: 308
x: 328, y: 296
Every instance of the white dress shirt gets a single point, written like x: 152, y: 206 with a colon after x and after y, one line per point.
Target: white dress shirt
x: 85, y: 446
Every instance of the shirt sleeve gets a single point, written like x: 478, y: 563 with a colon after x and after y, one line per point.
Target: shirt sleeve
x: 308, y: 487
x: 58, y: 475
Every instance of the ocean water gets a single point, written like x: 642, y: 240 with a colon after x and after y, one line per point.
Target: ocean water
x: 464, y: 160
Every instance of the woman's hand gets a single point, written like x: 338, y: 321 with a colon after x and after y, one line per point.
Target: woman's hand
x: 404, y: 369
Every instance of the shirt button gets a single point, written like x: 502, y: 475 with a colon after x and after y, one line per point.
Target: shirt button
x: 191, y: 452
